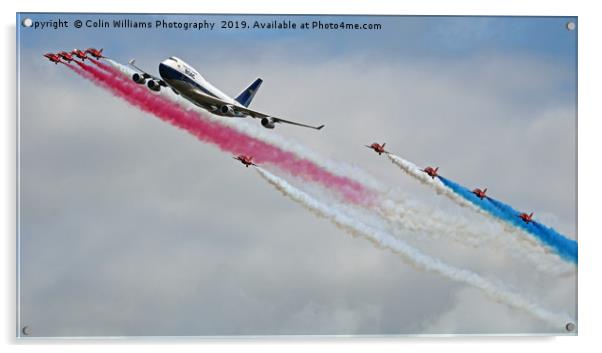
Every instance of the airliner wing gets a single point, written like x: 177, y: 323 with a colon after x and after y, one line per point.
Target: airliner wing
x: 205, y: 100
x: 145, y: 74
x: 258, y: 115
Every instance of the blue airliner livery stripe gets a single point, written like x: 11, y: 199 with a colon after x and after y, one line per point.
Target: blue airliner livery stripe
x: 169, y: 73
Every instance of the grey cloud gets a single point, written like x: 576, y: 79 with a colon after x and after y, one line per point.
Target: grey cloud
x: 132, y: 227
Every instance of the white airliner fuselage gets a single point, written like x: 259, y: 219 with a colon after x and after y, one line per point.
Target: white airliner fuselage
x: 184, y: 80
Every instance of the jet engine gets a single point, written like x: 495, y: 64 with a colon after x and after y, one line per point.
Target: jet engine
x: 138, y: 78
x: 268, y: 122
x: 227, y: 110
x: 154, y: 85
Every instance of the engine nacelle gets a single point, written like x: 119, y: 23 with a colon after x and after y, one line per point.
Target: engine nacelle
x: 138, y: 78
x: 227, y: 110
x: 154, y: 85
x: 268, y: 122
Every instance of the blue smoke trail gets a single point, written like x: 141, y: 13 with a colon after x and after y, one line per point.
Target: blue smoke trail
x: 563, y: 246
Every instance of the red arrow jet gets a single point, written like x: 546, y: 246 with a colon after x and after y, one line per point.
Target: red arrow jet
x: 80, y: 54
x: 246, y: 160
x: 480, y: 193
x: 65, y: 56
x: 431, y: 172
x: 53, y: 58
x: 380, y: 149
x: 526, y: 217
x: 95, y: 53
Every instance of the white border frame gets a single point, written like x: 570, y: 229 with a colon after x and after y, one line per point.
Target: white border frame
x: 588, y: 145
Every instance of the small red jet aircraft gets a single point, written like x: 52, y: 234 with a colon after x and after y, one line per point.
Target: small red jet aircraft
x: 246, y: 160
x: 526, y: 217
x: 53, y: 58
x: 80, y: 54
x: 480, y: 193
x: 380, y: 149
x: 65, y: 56
x: 431, y: 172
x: 95, y: 53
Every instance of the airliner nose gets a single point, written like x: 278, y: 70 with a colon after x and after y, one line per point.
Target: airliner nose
x: 165, y: 71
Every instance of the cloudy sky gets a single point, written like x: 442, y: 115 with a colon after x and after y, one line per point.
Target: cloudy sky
x: 132, y: 227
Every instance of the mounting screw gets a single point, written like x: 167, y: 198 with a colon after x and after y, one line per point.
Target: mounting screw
x: 27, y: 22
x: 570, y: 25
x: 570, y: 327
x: 26, y: 331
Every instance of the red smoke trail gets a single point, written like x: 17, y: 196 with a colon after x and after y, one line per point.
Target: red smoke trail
x: 81, y: 72
x: 228, y: 139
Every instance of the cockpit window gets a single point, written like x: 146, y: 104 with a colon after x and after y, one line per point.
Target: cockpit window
x: 173, y: 58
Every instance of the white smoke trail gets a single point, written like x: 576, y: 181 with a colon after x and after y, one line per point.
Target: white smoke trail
x: 400, y: 214
x: 412, y: 255
x: 496, y: 234
x: 436, y: 225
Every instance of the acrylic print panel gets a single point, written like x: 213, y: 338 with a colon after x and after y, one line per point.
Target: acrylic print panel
x: 165, y: 191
